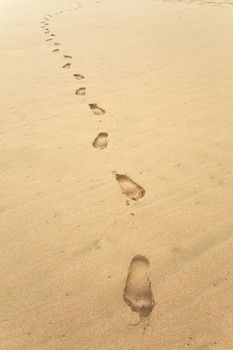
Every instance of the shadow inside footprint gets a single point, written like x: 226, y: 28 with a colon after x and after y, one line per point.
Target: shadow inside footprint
x: 55, y: 50
x: 129, y: 187
x: 101, y: 141
x: 138, y: 294
x: 56, y: 44
x: 67, y: 65
x: 67, y: 56
x: 96, y: 109
x: 78, y: 76
x: 81, y: 91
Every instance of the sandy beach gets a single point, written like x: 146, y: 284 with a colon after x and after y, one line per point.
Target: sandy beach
x: 116, y: 175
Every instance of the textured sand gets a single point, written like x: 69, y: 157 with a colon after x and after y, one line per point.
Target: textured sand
x: 161, y: 74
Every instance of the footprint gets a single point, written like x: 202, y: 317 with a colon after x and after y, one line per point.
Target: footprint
x: 42, y: 26
x: 67, y: 56
x: 52, y: 34
x: 81, y: 91
x: 56, y: 44
x: 129, y: 187
x: 96, y: 109
x: 101, y: 141
x: 137, y: 294
x: 78, y: 76
x: 55, y: 50
x: 48, y: 39
x: 67, y: 65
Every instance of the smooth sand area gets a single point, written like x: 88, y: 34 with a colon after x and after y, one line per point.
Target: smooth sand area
x: 149, y: 84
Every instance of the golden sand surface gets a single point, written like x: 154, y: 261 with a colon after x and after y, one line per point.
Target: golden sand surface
x: 116, y: 182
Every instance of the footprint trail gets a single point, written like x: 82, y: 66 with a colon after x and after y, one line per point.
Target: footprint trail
x: 137, y: 292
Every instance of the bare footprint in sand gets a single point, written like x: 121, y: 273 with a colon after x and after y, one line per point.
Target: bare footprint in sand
x: 67, y: 56
x: 101, y: 141
x: 81, y: 91
x: 52, y: 34
x: 138, y: 294
x: 67, y: 65
x: 56, y: 44
x: 129, y: 187
x: 55, y: 50
x: 96, y: 109
x: 49, y: 39
x: 78, y: 76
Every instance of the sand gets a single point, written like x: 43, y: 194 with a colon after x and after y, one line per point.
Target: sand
x: 158, y: 81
